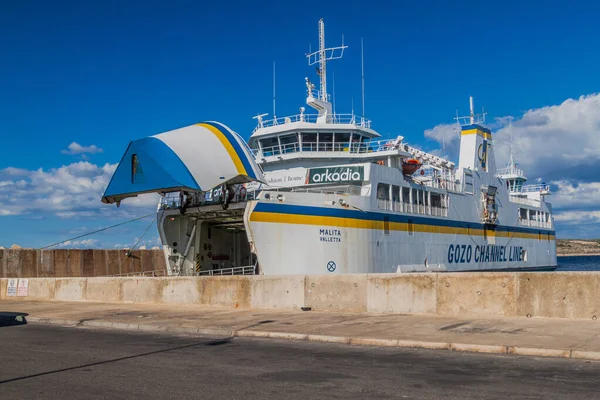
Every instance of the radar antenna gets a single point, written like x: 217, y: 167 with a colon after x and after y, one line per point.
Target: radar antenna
x: 259, y: 117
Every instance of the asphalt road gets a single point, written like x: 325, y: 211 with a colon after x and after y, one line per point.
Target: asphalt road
x: 46, y: 362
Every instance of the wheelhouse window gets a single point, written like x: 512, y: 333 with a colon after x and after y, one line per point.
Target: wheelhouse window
x: 325, y: 141
x: 341, y: 141
x: 309, y: 141
x: 289, y: 143
x: 270, y: 146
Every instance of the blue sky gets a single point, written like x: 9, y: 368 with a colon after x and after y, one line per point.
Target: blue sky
x: 96, y: 75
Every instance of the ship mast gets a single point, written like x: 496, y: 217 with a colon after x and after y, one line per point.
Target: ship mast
x: 320, y: 57
x: 472, y: 118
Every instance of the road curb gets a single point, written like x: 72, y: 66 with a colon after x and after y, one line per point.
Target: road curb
x: 478, y: 348
x: 537, y: 352
x: 53, y: 321
x: 356, y: 341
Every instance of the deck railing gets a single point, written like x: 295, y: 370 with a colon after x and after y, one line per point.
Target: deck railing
x: 510, y: 171
x: 524, y: 201
x: 535, y: 224
x: 313, y: 147
x: 312, y: 118
x: 200, y: 199
x: 386, y: 204
x: 155, y: 273
x: 535, y: 188
x: 247, y: 270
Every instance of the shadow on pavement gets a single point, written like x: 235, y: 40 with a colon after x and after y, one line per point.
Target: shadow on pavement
x: 12, y: 318
x: 209, y: 343
x: 21, y: 316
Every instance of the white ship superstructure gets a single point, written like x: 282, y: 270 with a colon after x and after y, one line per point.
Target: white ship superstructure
x: 323, y: 193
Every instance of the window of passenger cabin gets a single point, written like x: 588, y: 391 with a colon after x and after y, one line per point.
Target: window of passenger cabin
x: 383, y: 191
x: 405, y: 195
x: 396, y: 198
x: 522, y: 213
x: 436, y: 200
x: 383, y: 195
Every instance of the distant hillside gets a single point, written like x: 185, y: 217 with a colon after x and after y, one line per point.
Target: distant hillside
x: 565, y: 247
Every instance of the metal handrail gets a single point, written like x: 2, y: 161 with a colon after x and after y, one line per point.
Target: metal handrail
x: 535, y: 224
x: 157, y: 272
x: 525, y: 201
x: 207, y: 198
x: 535, y: 188
x: 246, y: 270
x: 510, y: 171
x: 312, y: 118
x: 346, y: 147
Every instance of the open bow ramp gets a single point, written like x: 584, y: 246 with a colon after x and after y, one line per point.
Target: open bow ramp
x: 194, y: 158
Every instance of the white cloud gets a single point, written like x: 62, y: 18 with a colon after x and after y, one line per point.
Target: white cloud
x: 76, y: 148
x: 80, y: 244
x: 444, y: 133
x: 578, y: 217
x: 582, y: 195
x: 557, y: 142
x: 72, y: 190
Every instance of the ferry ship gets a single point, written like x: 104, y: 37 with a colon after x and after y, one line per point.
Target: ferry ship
x: 325, y: 193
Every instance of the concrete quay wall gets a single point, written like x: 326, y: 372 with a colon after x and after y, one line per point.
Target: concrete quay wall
x: 572, y: 295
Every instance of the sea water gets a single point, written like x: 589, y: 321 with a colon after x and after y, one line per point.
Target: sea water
x: 579, y: 263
